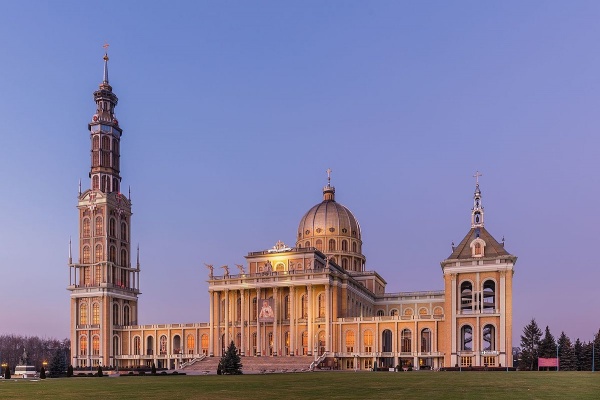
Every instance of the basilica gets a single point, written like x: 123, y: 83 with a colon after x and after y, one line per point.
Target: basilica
x: 312, y: 299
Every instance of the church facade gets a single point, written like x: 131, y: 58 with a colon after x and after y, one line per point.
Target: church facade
x: 315, y: 298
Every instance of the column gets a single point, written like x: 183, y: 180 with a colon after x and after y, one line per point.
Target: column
x: 293, y: 346
x: 328, y: 317
x: 258, y: 342
x: 309, y: 320
x: 226, y: 338
x: 505, y: 353
x: 276, y: 315
x: 211, y: 322
x: 242, y: 322
x: 454, y: 310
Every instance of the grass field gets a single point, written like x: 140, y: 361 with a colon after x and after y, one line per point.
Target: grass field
x: 318, y: 385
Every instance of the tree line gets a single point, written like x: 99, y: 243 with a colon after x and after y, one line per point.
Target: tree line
x: 577, y: 356
x: 39, y: 350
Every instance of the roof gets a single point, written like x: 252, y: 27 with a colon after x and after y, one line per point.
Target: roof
x: 492, y: 247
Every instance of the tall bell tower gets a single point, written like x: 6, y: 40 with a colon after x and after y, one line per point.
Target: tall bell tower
x: 104, y: 285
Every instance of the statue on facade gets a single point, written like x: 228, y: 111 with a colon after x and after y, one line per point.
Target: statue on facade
x: 210, y: 272
x: 241, y: 268
x: 226, y: 271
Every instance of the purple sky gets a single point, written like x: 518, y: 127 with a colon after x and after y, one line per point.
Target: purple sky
x: 232, y: 112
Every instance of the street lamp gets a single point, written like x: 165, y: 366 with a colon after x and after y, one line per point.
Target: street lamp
x: 557, y: 359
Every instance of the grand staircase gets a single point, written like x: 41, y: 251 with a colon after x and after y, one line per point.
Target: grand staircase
x: 256, y: 365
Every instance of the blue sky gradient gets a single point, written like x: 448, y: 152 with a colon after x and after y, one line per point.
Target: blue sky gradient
x: 232, y: 112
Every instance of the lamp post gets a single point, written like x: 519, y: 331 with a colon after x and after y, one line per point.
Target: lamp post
x: 557, y: 359
x: 4, y: 365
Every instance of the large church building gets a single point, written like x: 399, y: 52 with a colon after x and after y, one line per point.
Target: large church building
x: 315, y: 299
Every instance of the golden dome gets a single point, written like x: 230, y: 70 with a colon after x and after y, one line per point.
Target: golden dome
x: 333, y: 229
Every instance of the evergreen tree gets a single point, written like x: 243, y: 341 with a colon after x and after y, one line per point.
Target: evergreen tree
x: 596, y: 352
x: 586, y: 364
x: 530, y: 341
x: 547, y: 347
x: 100, y: 374
x: 7, y: 372
x: 42, y: 373
x: 58, y: 365
x: 566, y: 353
x: 231, y: 362
x: 579, y: 355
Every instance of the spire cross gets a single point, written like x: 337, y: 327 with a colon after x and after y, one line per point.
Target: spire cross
x: 106, y: 46
x: 328, y: 176
x: 476, y: 176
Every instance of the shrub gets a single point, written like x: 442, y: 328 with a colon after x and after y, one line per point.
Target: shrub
x: 42, y: 373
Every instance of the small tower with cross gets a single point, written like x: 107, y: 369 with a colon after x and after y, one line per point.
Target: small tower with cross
x: 477, y: 210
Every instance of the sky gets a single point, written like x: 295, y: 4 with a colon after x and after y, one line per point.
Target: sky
x: 233, y: 110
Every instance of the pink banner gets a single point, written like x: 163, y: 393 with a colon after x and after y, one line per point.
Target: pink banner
x: 547, y: 362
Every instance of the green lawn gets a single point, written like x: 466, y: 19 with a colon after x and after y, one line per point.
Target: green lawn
x: 318, y: 385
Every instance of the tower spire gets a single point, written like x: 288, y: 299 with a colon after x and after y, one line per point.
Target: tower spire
x: 105, y: 58
x: 477, y: 210
x: 105, y: 135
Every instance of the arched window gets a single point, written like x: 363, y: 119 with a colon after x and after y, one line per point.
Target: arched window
x: 150, y: 345
x: 111, y: 227
x: 368, y: 341
x: 126, y: 316
x: 406, y: 341
x: 238, y: 341
x: 86, y: 227
x: 96, y: 345
x: 124, y: 260
x: 426, y: 340
x: 394, y: 312
x: 137, y: 345
x: 204, y: 344
x: 344, y: 245
x: 254, y: 344
x: 321, y: 342
x: 344, y: 263
x: 270, y: 342
x: 331, y: 244
x: 286, y: 307
x: 190, y: 344
x: 238, y: 310
x: 87, y: 276
x: 319, y: 244
x: 123, y: 231
x: 354, y: 247
x: 286, y: 343
x: 466, y: 338
x: 83, y: 345
x: 466, y: 297
x: 489, y: 296
x: 83, y: 314
x: 96, y: 314
x: 95, y: 142
x: 115, y: 314
x: 386, y: 341
x: 98, y: 255
x: 307, y: 244
x: 489, y: 338
x: 176, y: 344
x: 304, y: 343
x: 163, y: 344
x: 304, y: 306
x: 321, y: 301
x: 254, y: 310
x: 380, y: 313
x: 99, y: 226
x: 116, y: 347
x: 112, y: 255
x: 86, y: 255
x: 98, y: 276
x: 350, y: 341
x: 104, y: 183
x: 477, y: 250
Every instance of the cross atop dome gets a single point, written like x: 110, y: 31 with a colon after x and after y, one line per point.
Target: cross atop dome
x: 328, y: 191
